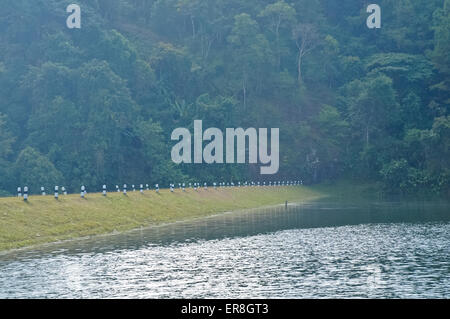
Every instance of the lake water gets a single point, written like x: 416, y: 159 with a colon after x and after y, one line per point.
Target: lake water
x: 316, y: 250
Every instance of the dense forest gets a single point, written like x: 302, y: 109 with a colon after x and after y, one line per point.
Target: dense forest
x: 98, y: 104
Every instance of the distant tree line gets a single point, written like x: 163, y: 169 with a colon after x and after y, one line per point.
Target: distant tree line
x: 97, y: 105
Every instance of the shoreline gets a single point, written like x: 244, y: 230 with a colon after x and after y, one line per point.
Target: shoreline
x: 130, y: 231
x: 74, y: 219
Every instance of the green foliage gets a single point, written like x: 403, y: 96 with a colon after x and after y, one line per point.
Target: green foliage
x: 98, y: 105
x: 6, y: 140
x: 35, y: 170
x: 440, y: 56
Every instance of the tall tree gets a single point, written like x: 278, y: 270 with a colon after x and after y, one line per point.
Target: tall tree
x: 306, y: 39
x: 280, y: 15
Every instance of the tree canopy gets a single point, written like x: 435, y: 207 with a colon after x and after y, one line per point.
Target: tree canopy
x: 98, y: 104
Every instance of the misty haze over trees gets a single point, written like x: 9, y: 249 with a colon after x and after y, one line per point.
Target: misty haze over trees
x: 97, y: 105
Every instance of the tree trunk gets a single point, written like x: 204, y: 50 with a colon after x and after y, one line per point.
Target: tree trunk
x: 244, y: 90
x: 299, y: 67
x: 278, y: 44
x: 193, y: 27
x: 367, y: 135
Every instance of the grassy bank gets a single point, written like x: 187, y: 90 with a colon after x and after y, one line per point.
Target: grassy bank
x: 44, y: 219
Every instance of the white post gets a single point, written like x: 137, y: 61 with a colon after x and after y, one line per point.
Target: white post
x: 141, y: 188
x: 171, y: 188
x: 64, y: 191
x: 205, y: 186
x: 83, y: 191
x: 134, y: 189
x: 157, y: 188
x: 124, y: 189
x: 184, y: 187
x: 104, y: 190
x: 25, y: 193
x: 147, y: 187
x: 117, y: 188
x: 19, y: 192
x: 56, y: 192
x: 43, y: 191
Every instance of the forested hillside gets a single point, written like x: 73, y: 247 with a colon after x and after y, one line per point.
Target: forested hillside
x: 98, y: 104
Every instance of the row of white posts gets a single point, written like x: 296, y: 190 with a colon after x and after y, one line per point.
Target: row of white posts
x: 181, y: 186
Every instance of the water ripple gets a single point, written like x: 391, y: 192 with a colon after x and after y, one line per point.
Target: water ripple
x: 383, y: 260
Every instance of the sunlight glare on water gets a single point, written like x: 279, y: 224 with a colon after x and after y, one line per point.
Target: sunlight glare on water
x: 272, y: 253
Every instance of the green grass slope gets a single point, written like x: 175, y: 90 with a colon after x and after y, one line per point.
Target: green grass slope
x: 45, y: 220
